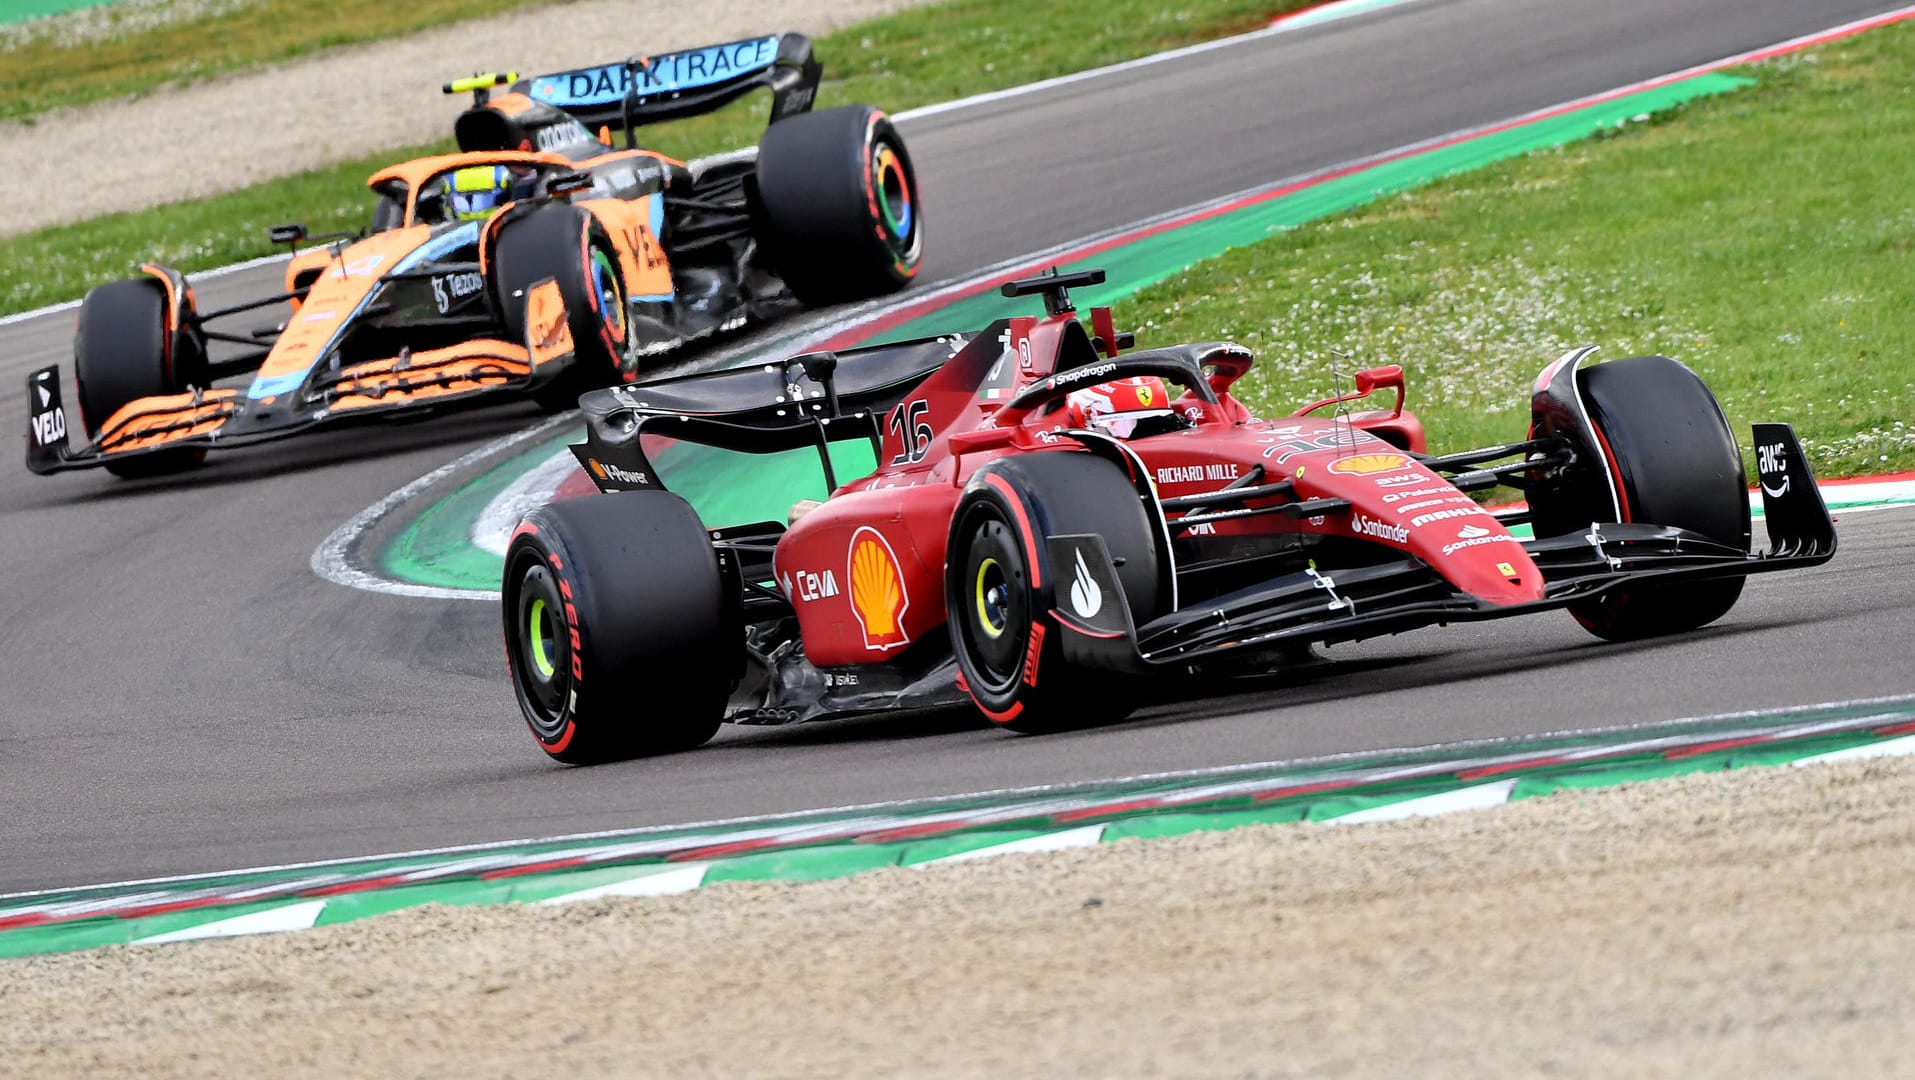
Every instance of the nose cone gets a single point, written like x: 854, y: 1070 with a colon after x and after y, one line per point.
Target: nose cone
x: 1477, y: 554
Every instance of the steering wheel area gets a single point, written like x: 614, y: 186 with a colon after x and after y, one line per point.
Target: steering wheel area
x: 1172, y: 367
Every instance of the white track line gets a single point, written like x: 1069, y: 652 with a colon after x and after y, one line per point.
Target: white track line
x: 1891, y: 748
x: 1083, y: 836
x: 331, y: 559
x: 652, y: 882
x: 279, y: 920
x: 492, y: 530
x: 1479, y: 797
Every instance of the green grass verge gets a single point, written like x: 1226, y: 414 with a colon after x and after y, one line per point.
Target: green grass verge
x: 1764, y: 238
x: 131, y: 48
x: 913, y: 58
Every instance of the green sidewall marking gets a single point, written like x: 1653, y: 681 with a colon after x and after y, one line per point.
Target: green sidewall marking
x: 732, y: 489
x: 536, y: 635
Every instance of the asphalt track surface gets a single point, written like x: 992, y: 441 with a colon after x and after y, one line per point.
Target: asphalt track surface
x: 182, y: 694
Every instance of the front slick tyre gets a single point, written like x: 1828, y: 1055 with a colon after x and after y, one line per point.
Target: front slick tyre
x: 616, y: 627
x: 562, y: 242
x: 1674, y: 462
x: 1000, y: 586
x: 124, y: 350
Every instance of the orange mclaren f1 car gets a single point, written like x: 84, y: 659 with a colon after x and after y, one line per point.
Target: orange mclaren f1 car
x: 542, y: 259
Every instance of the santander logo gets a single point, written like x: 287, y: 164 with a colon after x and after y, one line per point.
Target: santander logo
x: 1364, y: 525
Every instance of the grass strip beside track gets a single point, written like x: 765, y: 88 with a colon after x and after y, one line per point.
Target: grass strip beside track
x: 835, y: 844
x: 916, y: 57
x: 1765, y: 238
x: 19, y: 11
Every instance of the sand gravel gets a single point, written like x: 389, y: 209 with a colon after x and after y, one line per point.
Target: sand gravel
x: 232, y: 132
x: 1740, y: 924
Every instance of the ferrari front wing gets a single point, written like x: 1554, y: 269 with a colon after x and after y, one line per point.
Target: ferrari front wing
x: 1324, y: 606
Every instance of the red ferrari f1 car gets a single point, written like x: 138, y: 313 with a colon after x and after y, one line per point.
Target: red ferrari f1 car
x: 542, y: 259
x: 1045, y: 522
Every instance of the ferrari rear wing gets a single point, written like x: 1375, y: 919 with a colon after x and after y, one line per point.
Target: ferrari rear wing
x: 813, y: 399
x: 630, y: 93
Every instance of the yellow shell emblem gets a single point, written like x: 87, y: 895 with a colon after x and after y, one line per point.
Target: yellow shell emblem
x: 1368, y: 464
x: 878, y: 597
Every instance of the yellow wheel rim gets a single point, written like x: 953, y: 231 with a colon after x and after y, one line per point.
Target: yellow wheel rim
x: 535, y: 634
x: 991, y: 626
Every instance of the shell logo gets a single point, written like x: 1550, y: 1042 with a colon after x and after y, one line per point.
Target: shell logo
x: 1368, y: 464
x: 877, y: 590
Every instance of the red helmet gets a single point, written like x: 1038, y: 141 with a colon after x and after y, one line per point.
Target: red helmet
x: 1116, y: 407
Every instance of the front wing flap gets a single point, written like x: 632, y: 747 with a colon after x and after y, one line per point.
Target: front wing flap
x: 1323, y: 605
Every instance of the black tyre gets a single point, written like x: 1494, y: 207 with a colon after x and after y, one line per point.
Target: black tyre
x: 125, y: 350
x: 1673, y: 462
x: 618, y: 632
x: 1000, y: 586
x: 838, y: 205
x: 562, y: 242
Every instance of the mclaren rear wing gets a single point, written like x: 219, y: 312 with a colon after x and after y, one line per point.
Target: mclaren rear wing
x: 643, y: 90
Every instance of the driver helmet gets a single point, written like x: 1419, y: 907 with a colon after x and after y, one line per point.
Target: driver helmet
x: 1117, y: 408
x: 475, y: 191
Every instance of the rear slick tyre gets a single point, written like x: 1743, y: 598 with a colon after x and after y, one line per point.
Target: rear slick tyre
x: 837, y: 205
x: 618, y: 633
